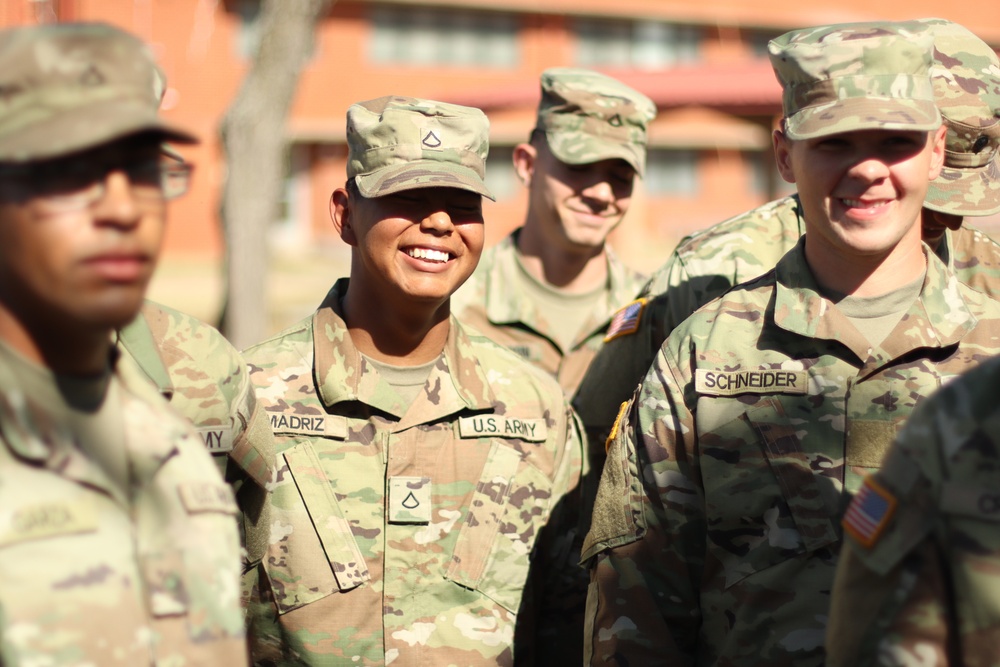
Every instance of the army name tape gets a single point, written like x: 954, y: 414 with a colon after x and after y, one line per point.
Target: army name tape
x: 731, y: 383
x: 287, y: 423
x: 532, y: 430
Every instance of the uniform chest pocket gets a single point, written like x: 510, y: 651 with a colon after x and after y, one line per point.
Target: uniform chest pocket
x: 509, y: 507
x: 765, y: 499
x: 313, y: 552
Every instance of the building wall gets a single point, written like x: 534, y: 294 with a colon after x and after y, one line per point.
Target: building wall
x: 201, y: 46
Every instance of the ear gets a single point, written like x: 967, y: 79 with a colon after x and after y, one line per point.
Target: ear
x: 937, y: 155
x: 341, y: 208
x: 783, y: 155
x: 524, y: 162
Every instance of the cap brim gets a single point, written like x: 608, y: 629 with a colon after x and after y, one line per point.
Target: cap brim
x: 78, y: 129
x: 597, y: 150
x: 421, y: 174
x: 866, y: 113
x: 967, y: 191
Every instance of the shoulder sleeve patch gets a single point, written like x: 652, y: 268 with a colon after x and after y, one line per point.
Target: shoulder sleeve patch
x: 614, y: 428
x: 626, y: 320
x: 869, y: 513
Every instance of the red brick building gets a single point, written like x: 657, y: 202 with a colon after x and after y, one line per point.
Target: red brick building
x: 702, y: 61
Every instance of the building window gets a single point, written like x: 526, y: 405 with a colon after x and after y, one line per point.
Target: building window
x: 638, y: 44
x: 671, y: 173
x: 765, y: 180
x: 423, y: 36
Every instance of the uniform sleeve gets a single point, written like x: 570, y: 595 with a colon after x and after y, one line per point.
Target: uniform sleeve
x: 550, y: 622
x: 646, y: 543
x: 889, y: 594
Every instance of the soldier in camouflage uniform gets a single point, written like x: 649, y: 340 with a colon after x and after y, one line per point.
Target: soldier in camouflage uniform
x: 205, y: 379
x: 549, y: 290
x: 716, y: 526
x: 117, y: 539
x: 918, y: 580
x: 423, y: 509
x: 708, y: 263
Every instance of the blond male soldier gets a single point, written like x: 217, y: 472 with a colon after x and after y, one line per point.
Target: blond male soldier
x: 716, y: 527
x: 548, y: 291
x: 918, y: 581
x: 423, y: 510
x: 117, y: 538
x: 966, y: 76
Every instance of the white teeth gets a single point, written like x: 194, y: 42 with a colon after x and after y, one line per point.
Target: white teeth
x: 428, y: 254
x: 856, y: 203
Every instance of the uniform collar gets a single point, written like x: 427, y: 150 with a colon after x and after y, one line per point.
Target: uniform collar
x: 500, y: 271
x: 939, y: 317
x: 138, y: 341
x: 457, y: 382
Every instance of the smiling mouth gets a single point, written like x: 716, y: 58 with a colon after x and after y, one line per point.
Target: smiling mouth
x: 863, y: 205
x: 429, y: 255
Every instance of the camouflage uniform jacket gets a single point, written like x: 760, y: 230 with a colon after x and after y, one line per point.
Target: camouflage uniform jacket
x: 918, y: 581
x: 716, y: 525
x: 707, y: 264
x: 89, y: 577
x: 206, y: 380
x: 487, y: 303
x: 412, y: 536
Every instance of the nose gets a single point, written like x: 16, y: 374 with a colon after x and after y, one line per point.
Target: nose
x: 870, y: 168
x: 437, y: 222
x: 118, y: 205
x: 599, y: 191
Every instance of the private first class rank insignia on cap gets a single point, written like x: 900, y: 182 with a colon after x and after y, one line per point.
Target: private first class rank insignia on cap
x: 869, y: 513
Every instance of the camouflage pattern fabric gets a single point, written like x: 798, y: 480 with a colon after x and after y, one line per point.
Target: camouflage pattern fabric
x: 70, y: 86
x: 206, y: 380
x: 707, y: 264
x: 438, y: 534
x: 88, y: 580
x: 486, y: 302
x: 716, y: 526
x: 855, y: 76
x: 588, y: 117
x: 400, y: 143
x: 925, y: 589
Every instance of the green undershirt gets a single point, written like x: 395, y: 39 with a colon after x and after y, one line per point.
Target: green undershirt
x: 565, y: 312
x: 877, y: 316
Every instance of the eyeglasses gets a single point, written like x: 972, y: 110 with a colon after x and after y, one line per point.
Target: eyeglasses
x: 69, y: 186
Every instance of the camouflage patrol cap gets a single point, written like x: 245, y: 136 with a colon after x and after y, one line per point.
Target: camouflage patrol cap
x: 966, y: 79
x: 588, y: 117
x: 854, y: 76
x: 70, y: 86
x: 403, y: 143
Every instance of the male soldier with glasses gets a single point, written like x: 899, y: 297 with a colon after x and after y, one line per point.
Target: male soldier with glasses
x: 117, y: 538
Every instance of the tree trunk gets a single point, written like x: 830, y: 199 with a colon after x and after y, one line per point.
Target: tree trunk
x: 253, y: 138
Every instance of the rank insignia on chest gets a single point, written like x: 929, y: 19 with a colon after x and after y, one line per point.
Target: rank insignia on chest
x: 869, y: 513
x: 626, y: 320
x: 410, y: 500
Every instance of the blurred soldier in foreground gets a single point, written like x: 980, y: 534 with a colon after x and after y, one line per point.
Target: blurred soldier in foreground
x: 919, y: 579
x: 117, y: 533
x: 205, y: 379
x: 716, y: 527
x: 548, y: 291
x: 707, y: 264
x: 424, y: 506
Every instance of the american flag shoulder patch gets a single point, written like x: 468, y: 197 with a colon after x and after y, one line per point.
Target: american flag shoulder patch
x: 626, y: 320
x: 869, y: 513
